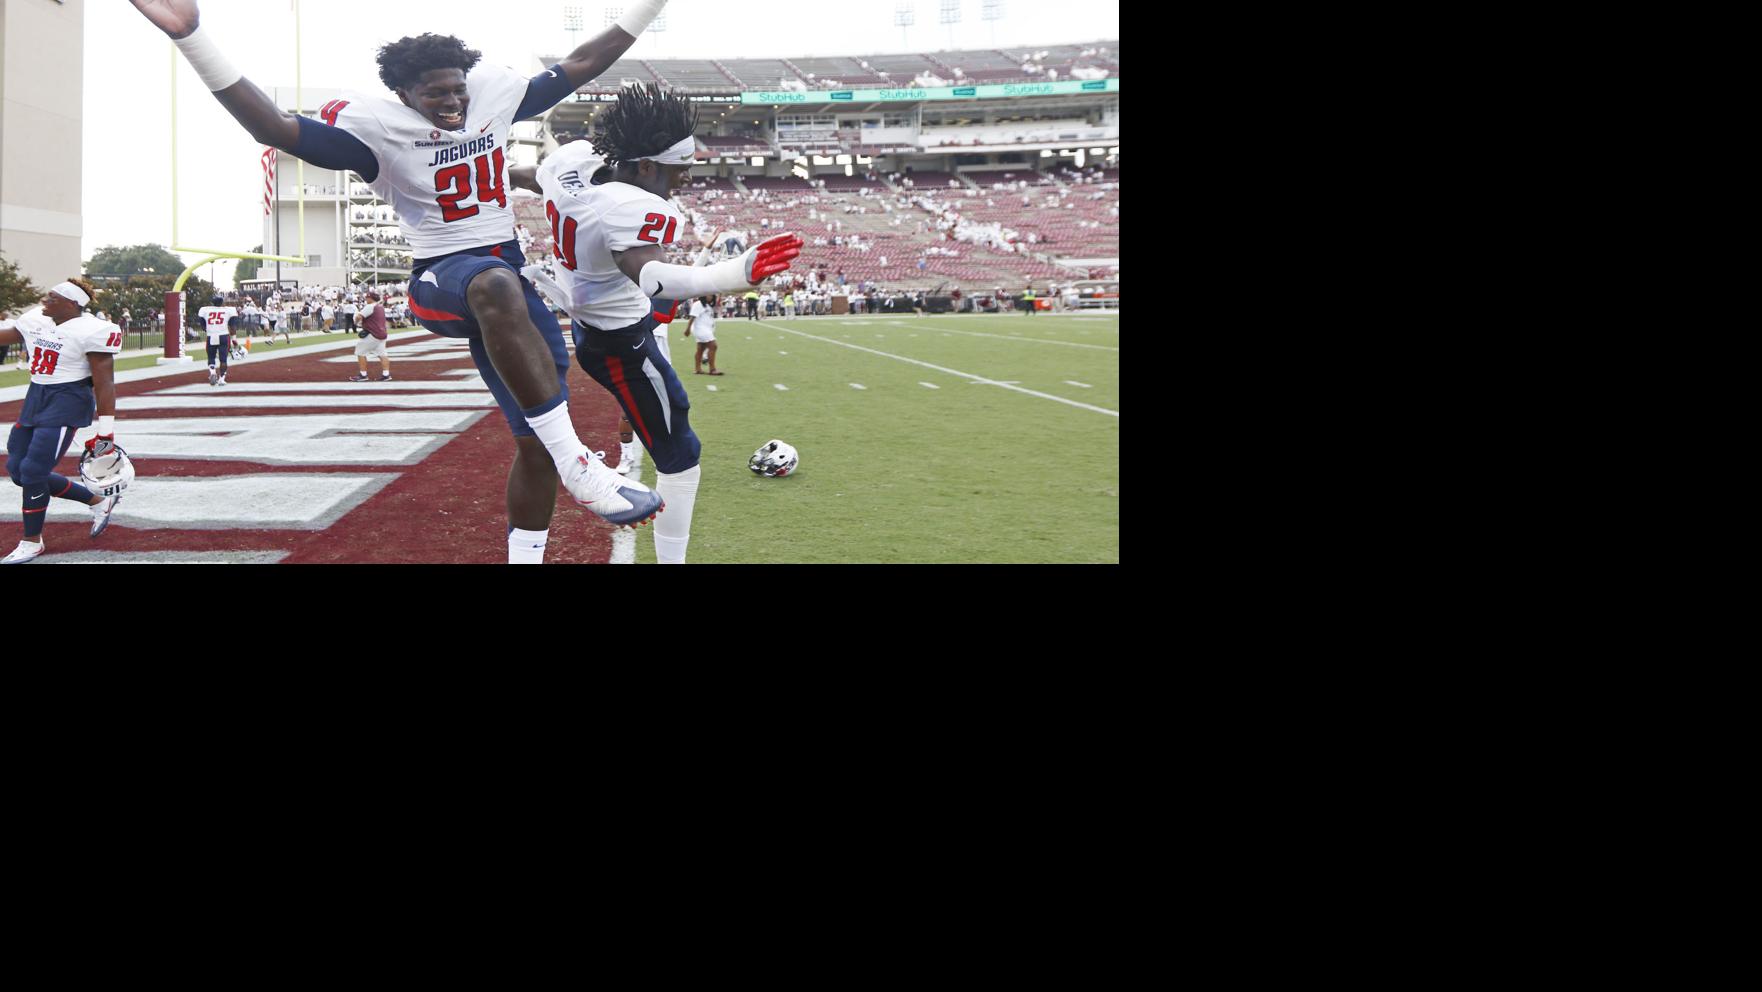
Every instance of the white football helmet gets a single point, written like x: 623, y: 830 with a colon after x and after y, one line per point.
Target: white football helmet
x: 107, y: 474
x: 775, y: 460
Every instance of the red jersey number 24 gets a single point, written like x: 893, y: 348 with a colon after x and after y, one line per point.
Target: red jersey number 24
x: 453, y: 183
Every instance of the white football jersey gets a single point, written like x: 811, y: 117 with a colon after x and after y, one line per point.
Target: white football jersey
x: 449, y: 188
x: 57, y: 352
x: 216, y: 319
x: 589, y: 223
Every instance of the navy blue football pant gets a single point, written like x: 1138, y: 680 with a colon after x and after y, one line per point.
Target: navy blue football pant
x: 630, y: 365
x: 31, y: 454
x: 438, y: 299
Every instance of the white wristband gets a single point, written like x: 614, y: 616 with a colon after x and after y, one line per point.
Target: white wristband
x: 107, y: 426
x: 638, y: 15
x: 204, y: 56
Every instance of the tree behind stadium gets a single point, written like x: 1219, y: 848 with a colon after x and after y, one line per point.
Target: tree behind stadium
x: 134, y: 260
x: 16, y: 291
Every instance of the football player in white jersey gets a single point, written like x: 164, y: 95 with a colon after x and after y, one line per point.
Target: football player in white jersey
x: 73, y: 366
x: 617, y: 286
x: 438, y: 155
x: 217, y: 317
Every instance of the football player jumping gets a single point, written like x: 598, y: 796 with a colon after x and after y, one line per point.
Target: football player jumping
x: 438, y: 155
x: 610, y: 239
x: 73, y: 374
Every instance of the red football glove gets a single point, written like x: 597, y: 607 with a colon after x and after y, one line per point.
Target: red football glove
x: 100, y: 445
x: 771, y: 257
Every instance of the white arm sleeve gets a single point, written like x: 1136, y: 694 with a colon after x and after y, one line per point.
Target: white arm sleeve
x: 639, y: 15
x: 678, y: 282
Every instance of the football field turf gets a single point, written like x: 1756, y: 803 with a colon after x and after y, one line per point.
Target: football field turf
x: 949, y: 438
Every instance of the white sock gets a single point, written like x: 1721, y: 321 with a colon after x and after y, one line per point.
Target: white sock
x: 527, y: 547
x: 557, y: 433
x: 673, y: 525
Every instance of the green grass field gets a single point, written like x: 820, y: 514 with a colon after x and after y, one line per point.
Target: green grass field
x: 897, y: 471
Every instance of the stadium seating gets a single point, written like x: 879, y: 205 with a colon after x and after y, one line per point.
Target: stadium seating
x: 1075, y: 222
x: 928, y: 180
x: 989, y: 65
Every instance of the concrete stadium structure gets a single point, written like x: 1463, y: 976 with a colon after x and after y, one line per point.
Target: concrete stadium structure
x: 41, y: 61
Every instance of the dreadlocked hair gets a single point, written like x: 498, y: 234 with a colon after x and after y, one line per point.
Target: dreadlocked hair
x: 402, y: 62
x: 646, y: 120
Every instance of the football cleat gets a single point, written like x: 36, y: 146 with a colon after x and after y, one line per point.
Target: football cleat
x: 775, y: 460
x: 213, y: 377
x: 101, y: 512
x: 628, y: 458
x: 621, y: 501
x: 223, y: 380
x: 25, y: 551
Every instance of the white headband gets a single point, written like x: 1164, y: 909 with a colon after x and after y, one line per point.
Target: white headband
x: 68, y: 291
x: 683, y: 152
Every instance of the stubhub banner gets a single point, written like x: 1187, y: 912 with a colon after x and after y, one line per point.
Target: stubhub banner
x: 994, y: 91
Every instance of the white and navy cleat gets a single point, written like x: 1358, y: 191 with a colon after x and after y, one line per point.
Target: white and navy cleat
x: 621, y: 501
x: 101, y: 512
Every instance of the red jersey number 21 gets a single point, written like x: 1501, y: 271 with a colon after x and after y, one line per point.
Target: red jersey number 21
x: 654, y: 225
x: 453, y: 183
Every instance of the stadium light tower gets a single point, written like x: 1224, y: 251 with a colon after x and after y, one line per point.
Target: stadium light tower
x: 905, y: 14
x: 572, y: 22
x: 951, y: 15
x: 992, y: 11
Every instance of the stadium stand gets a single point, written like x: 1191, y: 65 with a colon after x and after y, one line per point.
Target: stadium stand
x: 989, y: 65
x: 925, y: 204
x: 757, y: 74
x: 928, y: 180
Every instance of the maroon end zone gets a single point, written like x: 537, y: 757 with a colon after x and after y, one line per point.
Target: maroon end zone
x: 447, y: 508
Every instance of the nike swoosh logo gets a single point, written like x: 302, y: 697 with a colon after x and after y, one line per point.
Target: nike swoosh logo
x: 39, y: 496
x: 638, y: 346
x: 551, y: 73
x: 660, y: 288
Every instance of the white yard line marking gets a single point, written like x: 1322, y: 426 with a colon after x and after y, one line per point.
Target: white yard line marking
x: 266, y: 501
x: 780, y: 387
x: 710, y: 388
x: 219, y: 398
x: 963, y: 375
x: 858, y: 385
x: 1073, y: 382
x: 623, y: 547
x: 1013, y: 336
x: 783, y: 353
x: 929, y: 385
x: 475, y: 384
x: 164, y: 558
